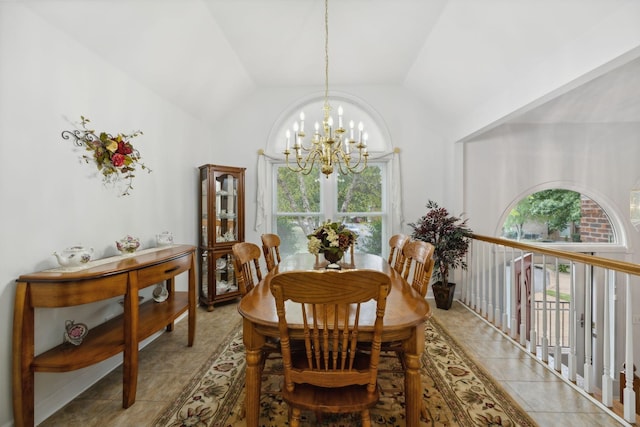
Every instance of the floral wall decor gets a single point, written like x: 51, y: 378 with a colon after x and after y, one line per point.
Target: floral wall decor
x: 114, y: 156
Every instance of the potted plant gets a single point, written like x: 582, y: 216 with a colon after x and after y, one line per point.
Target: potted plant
x: 450, y: 237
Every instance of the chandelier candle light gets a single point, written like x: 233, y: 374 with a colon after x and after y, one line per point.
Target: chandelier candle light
x: 331, y: 147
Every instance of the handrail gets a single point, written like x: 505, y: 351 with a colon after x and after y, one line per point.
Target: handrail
x: 608, y: 263
x: 499, y: 280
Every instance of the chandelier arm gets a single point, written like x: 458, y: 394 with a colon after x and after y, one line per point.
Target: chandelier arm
x: 301, y: 170
x: 309, y: 149
x: 303, y: 165
x: 344, y: 161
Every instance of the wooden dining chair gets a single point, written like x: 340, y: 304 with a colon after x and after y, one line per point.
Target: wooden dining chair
x: 396, y: 243
x: 416, y: 269
x: 418, y: 265
x: 246, y: 257
x: 330, y: 375
x: 271, y: 250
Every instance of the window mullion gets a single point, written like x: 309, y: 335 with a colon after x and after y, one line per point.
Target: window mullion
x: 329, y: 197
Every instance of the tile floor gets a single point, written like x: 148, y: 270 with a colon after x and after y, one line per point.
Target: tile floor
x: 167, y: 364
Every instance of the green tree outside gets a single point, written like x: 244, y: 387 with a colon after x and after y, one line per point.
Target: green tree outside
x: 299, y: 207
x: 555, y: 208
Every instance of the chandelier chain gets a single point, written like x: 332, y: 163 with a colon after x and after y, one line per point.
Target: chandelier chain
x: 326, y: 53
x: 332, y: 148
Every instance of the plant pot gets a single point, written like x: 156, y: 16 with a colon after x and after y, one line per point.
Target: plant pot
x: 333, y: 258
x: 443, y: 294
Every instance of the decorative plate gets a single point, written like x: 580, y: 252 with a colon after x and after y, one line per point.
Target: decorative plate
x: 75, y: 332
x: 160, y: 293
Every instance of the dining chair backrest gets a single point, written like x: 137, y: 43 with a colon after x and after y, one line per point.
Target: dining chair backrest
x: 271, y: 249
x: 418, y: 264
x: 396, y: 243
x: 330, y: 305
x: 246, y: 257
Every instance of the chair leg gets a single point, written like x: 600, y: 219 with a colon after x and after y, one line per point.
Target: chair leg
x: 294, y: 417
x: 366, y: 418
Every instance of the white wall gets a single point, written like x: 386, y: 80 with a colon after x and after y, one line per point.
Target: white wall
x: 49, y: 200
x: 598, y: 160
x: 512, y: 161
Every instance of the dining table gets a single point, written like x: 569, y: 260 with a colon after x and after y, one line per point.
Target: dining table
x: 404, y: 318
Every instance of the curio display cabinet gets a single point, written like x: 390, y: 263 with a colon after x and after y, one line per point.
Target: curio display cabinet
x: 221, y: 220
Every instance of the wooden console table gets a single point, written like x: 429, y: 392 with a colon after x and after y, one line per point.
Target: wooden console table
x: 123, y: 276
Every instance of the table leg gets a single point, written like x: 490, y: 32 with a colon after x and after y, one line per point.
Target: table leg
x: 253, y: 343
x: 23, y: 353
x: 192, y: 301
x: 170, y: 284
x: 412, y: 381
x: 130, y: 353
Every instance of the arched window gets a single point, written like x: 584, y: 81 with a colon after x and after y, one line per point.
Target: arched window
x: 559, y: 215
x: 299, y: 203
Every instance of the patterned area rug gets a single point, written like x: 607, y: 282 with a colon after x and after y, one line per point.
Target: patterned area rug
x: 456, y: 392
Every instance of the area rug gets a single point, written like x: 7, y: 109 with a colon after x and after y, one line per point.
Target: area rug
x: 455, y: 391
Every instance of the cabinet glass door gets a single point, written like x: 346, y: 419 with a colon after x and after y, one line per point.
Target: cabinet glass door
x: 225, y: 276
x: 204, y: 275
x: 204, y: 207
x: 226, y: 208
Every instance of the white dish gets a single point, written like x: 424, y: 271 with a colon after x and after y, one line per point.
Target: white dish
x: 160, y: 293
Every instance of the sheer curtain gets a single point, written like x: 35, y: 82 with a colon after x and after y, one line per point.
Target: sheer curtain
x: 397, y: 216
x: 262, y: 178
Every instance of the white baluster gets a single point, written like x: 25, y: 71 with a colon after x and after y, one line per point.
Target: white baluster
x: 490, y: 287
x: 483, y: 289
x: 557, y: 354
x: 533, y: 338
x: 629, y: 394
x: 545, y: 326
x: 607, y: 381
x: 523, y: 302
x: 572, y: 360
x: 588, y: 331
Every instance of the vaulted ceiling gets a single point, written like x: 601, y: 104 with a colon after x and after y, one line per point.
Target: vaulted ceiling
x: 474, y: 63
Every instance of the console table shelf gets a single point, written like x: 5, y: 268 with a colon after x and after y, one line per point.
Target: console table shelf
x: 122, y: 334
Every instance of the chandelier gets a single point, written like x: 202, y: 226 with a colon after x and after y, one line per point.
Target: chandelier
x: 330, y: 146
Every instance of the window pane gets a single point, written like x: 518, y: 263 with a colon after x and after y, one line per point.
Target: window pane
x: 361, y: 192
x: 297, y: 192
x: 369, y: 231
x: 361, y: 195
x: 305, y: 201
x: 558, y: 215
x: 293, y: 231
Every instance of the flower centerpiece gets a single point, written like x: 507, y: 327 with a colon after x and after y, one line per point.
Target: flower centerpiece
x: 331, y: 239
x: 114, y: 156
